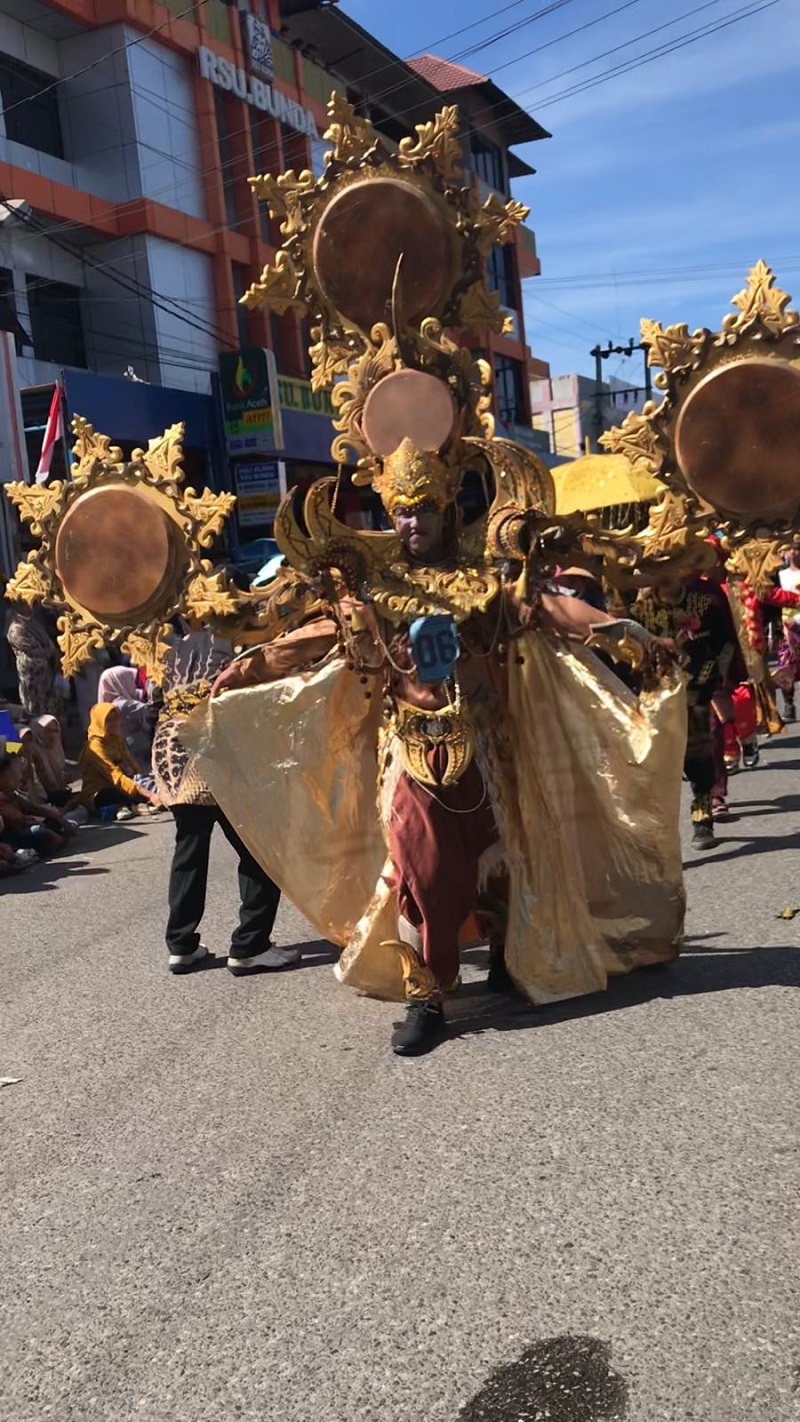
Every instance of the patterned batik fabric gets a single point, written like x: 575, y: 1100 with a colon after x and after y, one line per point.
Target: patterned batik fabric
x: 174, y: 771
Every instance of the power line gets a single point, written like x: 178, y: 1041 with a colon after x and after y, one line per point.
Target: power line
x: 688, y: 14
x: 659, y: 52
x: 120, y: 49
x: 131, y: 286
x: 142, y: 290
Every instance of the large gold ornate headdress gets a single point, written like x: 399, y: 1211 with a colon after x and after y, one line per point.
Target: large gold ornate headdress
x: 410, y: 477
x: 385, y: 252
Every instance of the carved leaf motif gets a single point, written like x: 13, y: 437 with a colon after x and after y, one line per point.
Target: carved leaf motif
x: 77, y: 642
x: 762, y: 301
x: 329, y: 357
x: 496, y: 221
x: 436, y: 142
x: 757, y: 561
x: 149, y: 651
x: 209, y: 512
x: 668, y: 527
x: 636, y: 439
x: 208, y: 595
x: 30, y: 583
x: 279, y: 287
x: 480, y: 309
x: 163, y: 456
x: 90, y: 446
x: 673, y: 347
x: 36, y: 502
x: 352, y: 137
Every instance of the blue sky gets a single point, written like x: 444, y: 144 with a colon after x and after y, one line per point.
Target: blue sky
x: 689, y: 161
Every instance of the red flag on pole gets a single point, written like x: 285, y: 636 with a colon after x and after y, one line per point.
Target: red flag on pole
x: 54, y: 429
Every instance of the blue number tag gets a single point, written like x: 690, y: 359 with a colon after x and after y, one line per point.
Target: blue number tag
x: 434, y: 646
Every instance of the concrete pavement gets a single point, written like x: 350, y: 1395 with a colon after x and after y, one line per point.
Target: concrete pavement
x: 225, y: 1199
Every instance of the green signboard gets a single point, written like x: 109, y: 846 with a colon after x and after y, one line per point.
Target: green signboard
x: 250, y: 407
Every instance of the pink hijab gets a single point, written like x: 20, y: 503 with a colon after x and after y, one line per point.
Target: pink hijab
x: 119, y: 684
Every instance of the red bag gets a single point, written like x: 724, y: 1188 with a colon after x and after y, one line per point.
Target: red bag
x: 745, y: 712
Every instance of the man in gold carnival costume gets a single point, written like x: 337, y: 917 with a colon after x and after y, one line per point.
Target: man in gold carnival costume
x: 418, y: 731
x: 517, y: 778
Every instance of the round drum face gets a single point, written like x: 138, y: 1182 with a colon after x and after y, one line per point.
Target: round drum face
x: 408, y: 404
x: 114, y: 552
x: 737, y: 438
x: 361, y: 236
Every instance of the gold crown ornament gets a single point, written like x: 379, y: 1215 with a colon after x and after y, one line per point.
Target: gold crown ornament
x: 410, y: 477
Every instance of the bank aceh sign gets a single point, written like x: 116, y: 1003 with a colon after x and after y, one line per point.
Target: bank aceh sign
x: 254, y: 91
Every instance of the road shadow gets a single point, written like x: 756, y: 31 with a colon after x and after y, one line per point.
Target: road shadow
x: 315, y: 955
x: 748, y: 846
x: 44, y: 876
x: 702, y: 968
x: 751, y: 809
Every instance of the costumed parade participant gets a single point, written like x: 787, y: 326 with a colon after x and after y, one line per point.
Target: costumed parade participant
x: 787, y: 674
x: 696, y: 619
x: 419, y: 731
x: 516, y: 775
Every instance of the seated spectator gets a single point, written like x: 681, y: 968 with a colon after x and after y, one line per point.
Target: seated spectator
x: 109, y: 769
x: 25, y: 824
x: 29, y: 783
x: 120, y: 685
x: 50, y: 760
x: 14, y: 861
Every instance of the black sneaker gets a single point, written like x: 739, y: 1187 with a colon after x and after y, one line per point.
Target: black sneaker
x: 422, y: 1030
x: 751, y: 758
x: 703, y: 837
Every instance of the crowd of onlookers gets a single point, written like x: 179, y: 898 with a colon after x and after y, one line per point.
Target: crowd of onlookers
x: 46, y: 795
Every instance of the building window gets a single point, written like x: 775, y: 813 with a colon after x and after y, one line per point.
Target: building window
x: 500, y: 274
x: 509, y: 390
x: 487, y: 160
x: 239, y: 274
x: 31, y: 107
x: 9, y: 321
x: 267, y: 158
x: 56, y: 322
x: 226, y: 160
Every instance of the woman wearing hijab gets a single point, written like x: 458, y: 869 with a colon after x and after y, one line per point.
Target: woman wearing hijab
x: 120, y: 685
x: 50, y: 759
x: 108, y: 767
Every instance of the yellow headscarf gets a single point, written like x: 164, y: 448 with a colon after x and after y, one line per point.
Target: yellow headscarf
x: 113, y: 745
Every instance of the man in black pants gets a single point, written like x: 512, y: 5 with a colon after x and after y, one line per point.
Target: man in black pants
x: 194, y: 662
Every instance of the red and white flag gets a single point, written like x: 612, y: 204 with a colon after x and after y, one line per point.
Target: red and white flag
x: 54, y: 430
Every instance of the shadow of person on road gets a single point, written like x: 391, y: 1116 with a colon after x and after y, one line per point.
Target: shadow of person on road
x: 756, y: 844
x: 43, y: 877
x: 315, y: 955
x: 700, y: 969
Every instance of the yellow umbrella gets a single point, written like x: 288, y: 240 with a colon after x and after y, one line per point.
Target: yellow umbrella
x: 600, y: 481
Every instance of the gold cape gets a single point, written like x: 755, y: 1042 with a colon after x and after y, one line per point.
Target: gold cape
x: 588, y: 812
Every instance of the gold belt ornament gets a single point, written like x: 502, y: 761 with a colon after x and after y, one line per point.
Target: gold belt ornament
x: 419, y: 732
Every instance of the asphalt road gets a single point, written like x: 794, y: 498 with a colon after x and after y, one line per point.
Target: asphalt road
x: 225, y: 1199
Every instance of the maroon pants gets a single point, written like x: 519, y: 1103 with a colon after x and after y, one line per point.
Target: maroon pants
x: 436, y: 839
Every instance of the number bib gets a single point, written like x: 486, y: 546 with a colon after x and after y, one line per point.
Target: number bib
x: 434, y: 646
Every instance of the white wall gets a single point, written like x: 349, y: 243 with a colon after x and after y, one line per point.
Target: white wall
x: 97, y: 114
x: 170, y: 160
x: 184, y: 276
x: 129, y: 123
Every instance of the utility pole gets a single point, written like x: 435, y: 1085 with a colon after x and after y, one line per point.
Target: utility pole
x: 602, y: 353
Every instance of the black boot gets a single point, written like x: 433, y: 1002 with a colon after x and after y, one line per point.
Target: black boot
x: 422, y: 1030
